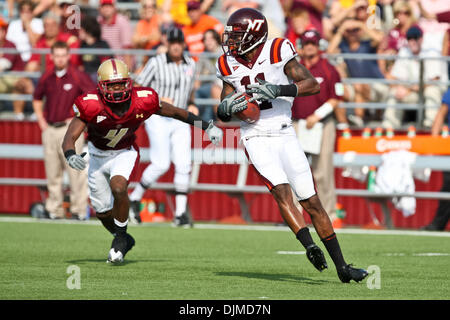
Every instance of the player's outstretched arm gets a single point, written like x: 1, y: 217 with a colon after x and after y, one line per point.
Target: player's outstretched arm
x: 214, y: 133
x: 75, y: 129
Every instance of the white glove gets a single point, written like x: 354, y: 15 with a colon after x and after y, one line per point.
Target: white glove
x: 77, y: 162
x: 214, y: 133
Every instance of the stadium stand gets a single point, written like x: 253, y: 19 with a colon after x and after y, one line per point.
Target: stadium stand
x: 383, y: 16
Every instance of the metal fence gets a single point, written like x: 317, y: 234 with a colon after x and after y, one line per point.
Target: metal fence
x: 140, y: 53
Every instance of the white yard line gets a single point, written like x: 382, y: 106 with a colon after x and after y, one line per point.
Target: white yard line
x: 291, y: 252
x: 424, y: 254
x: 210, y: 226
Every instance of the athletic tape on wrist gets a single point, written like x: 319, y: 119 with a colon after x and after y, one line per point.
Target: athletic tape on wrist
x: 324, y: 110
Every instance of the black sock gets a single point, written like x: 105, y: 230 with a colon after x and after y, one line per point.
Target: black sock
x: 334, y: 250
x: 121, y: 227
x: 304, y: 237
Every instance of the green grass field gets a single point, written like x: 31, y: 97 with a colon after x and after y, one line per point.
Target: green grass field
x: 207, y: 263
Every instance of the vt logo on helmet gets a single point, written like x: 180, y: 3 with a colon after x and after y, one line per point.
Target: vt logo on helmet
x: 245, y: 30
x: 114, y: 82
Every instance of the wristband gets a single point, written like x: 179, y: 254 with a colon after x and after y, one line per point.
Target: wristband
x: 69, y: 153
x: 288, y: 90
x: 192, y: 119
x: 324, y: 110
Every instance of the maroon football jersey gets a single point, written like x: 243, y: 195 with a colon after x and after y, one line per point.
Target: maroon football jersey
x: 108, y: 131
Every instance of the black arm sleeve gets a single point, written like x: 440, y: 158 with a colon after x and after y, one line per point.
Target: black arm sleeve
x: 196, y: 121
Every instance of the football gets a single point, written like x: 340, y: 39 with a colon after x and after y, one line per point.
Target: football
x: 251, y: 114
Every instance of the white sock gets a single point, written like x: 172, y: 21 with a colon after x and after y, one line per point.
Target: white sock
x: 180, y: 203
x: 120, y: 224
x: 137, y: 193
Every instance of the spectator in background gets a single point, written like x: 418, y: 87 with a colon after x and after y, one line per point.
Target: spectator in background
x: 349, y: 39
x: 311, y: 10
x: 200, y: 22
x: 396, y: 37
x: 90, y: 34
x: 11, y: 62
x: 299, y: 23
x: 147, y: 34
x: 67, y: 18
x: 442, y: 215
x: 116, y: 30
x: 42, y: 6
x: 433, y: 30
x: 60, y: 87
x: 210, y: 89
x: 361, y: 10
x: 52, y: 34
x: 175, y: 12
x: 24, y: 33
x: 409, y: 70
x: 320, y: 108
x: 403, y: 20
x: 441, y: 14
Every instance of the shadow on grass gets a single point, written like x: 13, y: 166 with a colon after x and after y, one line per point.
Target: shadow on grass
x: 124, y: 263
x: 273, y: 277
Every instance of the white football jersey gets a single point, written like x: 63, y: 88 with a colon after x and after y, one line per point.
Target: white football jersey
x: 268, y: 65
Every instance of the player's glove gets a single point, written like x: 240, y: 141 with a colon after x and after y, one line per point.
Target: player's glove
x: 75, y: 161
x: 232, y: 103
x: 214, y: 134
x: 264, y: 90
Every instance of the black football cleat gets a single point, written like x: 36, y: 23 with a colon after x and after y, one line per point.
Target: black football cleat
x: 183, y: 221
x: 347, y: 273
x: 316, y: 257
x: 135, y: 210
x: 119, y: 248
x: 130, y: 244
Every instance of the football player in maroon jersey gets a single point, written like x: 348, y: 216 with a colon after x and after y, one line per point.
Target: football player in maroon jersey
x: 112, y: 114
x: 268, y: 70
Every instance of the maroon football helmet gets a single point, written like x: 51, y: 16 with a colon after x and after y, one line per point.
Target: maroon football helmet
x: 245, y: 30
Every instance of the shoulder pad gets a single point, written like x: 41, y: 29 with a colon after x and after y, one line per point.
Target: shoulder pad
x: 146, y: 97
x: 88, y: 105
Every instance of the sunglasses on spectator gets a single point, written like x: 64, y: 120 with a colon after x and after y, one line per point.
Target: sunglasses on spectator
x: 353, y: 30
x: 147, y: 6
x: 315, y: 43
x: 415, y: 38
x: 405, y: 12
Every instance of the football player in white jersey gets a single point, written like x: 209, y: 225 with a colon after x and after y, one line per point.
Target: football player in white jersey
x: 269, y: 71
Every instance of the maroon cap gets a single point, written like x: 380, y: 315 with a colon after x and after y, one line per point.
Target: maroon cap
x: 310, y: 36
x: 193, y: 5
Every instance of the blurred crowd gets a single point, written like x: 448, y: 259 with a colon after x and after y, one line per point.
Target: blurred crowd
x: 395, y: 28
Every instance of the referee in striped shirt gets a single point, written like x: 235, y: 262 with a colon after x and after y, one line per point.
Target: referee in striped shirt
x: 171, y: 75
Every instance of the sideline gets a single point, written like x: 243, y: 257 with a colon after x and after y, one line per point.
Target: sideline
x: 213, y: 226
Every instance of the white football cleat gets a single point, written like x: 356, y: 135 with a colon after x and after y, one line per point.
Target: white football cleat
x: 114, y: 256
